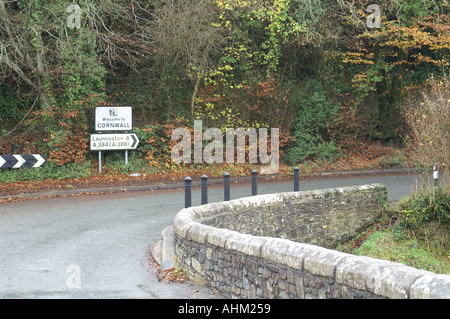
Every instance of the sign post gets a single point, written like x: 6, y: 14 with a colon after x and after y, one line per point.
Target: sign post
x: 99, y: 161
x: 113, y: 118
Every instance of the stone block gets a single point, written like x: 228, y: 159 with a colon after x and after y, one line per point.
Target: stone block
x: 395, y: 280
x: 246, y: 244
x: 198, y: 232
x: 275, y: 250
x: 359, y: 272
x: 218, y: 237
x: 322, y: 262
x: 431, y: 286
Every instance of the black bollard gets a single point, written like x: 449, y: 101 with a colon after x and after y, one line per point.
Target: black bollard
x: 226, y: 186
x: 254, y: 182
x: 296, y: 178
x: 204, y: 189
x: 187, y: 192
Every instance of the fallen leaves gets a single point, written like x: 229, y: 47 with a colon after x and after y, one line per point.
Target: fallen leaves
x: 172, y: 275
x: 362, y: 155
x: 168, y: 275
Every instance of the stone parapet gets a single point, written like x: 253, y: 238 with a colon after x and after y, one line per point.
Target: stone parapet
x: 278, y: 246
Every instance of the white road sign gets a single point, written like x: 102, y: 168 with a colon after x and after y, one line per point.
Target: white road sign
x: 113, y: 118
x: 114, y: 142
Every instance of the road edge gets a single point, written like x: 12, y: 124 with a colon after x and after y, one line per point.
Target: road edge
x: 211, y: 181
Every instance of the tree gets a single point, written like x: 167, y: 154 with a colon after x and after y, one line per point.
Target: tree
x: 38, y: 41
x: 63, y: 63
x: 22, y: 50
x: 186, y: 39
x: 412, y: 42
x: 428, y: 118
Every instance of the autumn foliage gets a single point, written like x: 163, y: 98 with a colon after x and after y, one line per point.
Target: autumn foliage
x: 428, y: 120
x: 317, y: 70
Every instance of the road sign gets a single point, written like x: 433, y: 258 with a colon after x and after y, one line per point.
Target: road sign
x: 114, y: 142
x: 113, y: 118
x: 17, y: 161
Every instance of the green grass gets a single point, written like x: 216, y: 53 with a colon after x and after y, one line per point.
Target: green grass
x: 49, y: 171
x: 419, y: 237
x: 427, y: 248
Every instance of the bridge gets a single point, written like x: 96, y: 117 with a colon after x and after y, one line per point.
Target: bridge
x: 280, y: 246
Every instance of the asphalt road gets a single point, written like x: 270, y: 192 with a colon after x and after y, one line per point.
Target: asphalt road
x: 97, y: 246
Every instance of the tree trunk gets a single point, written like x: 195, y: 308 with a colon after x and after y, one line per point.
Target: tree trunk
x: 318, y: 62
x: 194, y: 94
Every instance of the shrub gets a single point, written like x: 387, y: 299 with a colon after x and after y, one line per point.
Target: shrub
x: 428, y: 141
x: 49, y: 171
x: 429, y: 204
x: 316, y: 113
x: 10, y: 106
x: 156, y: 142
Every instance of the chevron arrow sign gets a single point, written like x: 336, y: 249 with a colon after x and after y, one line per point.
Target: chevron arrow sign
x: 18, y: 161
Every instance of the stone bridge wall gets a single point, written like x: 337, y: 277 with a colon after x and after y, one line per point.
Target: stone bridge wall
x: 277, y: 246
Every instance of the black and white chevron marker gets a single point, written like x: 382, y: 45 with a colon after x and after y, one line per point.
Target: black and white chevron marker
x: 17, y: 161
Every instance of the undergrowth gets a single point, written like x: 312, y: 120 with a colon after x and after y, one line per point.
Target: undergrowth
x: 418, y: 237
x: 49, y: 171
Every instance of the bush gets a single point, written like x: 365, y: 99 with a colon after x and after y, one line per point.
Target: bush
x: 49, y: 171
x: 316, y: 113
x: 10, y: 106
x: 428, y: 141
x: 156, y: 142
x: 427, y: 205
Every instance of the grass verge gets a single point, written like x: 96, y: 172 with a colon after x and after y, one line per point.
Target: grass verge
x: 427, y: 247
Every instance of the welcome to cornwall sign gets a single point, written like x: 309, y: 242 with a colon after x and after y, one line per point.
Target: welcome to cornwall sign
x: 113, y: 118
